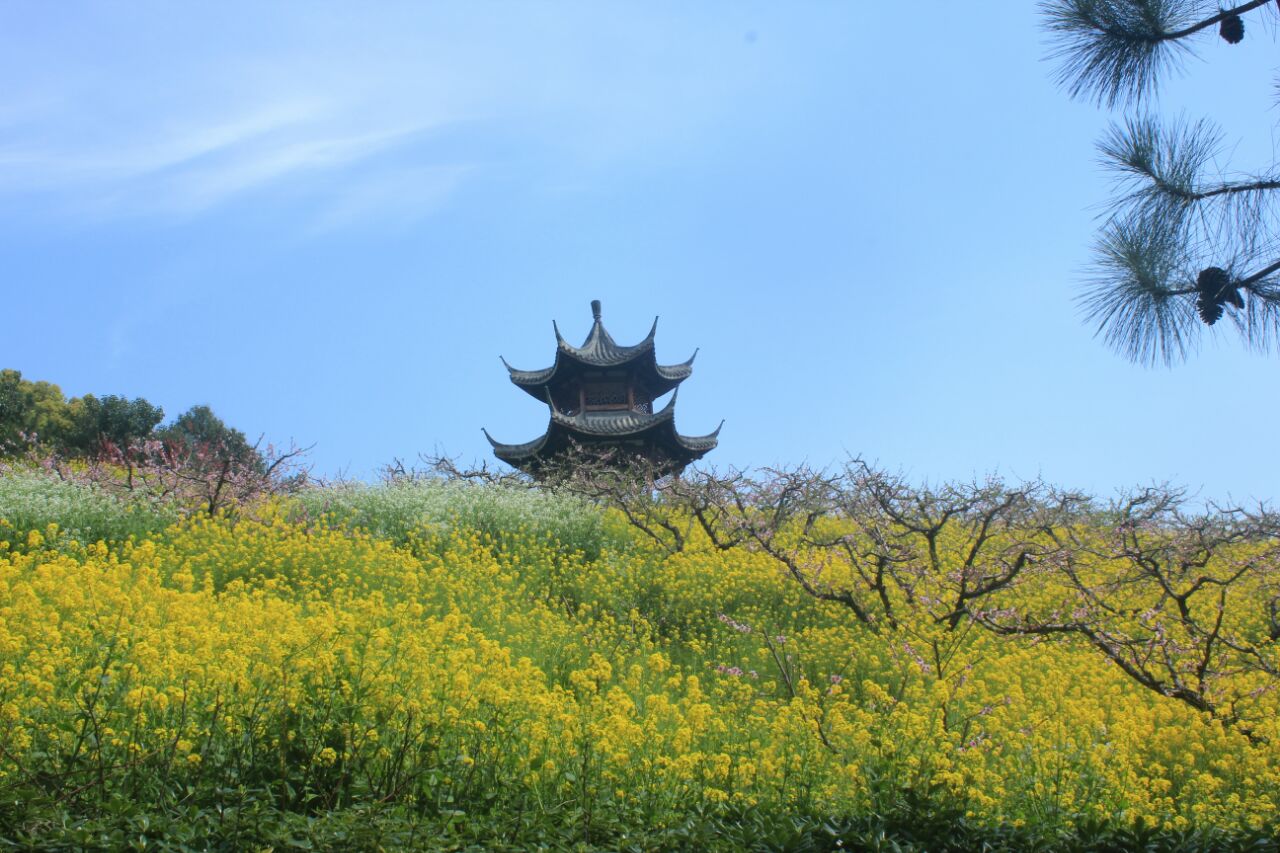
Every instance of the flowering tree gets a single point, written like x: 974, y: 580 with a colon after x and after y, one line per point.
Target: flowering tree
x: 198, y: 477
x: 1186, y: 604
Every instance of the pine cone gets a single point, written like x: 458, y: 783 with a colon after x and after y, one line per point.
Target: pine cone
x: 1232, y: 29
x: 1215, y: 289
x: 1210, y: 311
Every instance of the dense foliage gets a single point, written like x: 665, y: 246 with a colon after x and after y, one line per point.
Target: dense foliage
x: 36, y: 414
x: 451, y: 666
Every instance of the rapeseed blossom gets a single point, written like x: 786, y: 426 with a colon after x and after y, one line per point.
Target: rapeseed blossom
x: 442, y: 660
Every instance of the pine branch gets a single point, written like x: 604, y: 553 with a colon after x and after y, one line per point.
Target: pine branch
x: 1115, y: 51
x: 1138, y: 294
x: 1162, y: 175
x: 1216, y: 19
x: 1230, y: 189
x: 1259, y: 322
x: 1146, y: 295
x: 1159, y: 168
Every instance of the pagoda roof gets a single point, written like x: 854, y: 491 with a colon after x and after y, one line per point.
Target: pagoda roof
x: 615, y: 423
x: 600, y: 351
x: 609, y: 426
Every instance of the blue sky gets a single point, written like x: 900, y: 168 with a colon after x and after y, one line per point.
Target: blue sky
x: 327, y: 221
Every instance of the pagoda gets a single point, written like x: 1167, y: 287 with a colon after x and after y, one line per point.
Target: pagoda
x: 601, y: 397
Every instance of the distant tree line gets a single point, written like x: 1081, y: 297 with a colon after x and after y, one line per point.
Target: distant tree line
x: 36, y: 417
x: 196, y: 460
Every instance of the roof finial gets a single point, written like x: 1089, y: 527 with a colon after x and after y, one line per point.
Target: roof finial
x: 595, y: 309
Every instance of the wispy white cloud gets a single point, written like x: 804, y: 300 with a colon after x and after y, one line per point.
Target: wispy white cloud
x: 134, y: 151
x: 396, y: 198
x: 197, y: 119
x: 198, y: 166
x: 255, y: 164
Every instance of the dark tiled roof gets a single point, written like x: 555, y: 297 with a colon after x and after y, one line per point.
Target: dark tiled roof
x: 508, y: 452
x: 700, y: 444
x: 616, y: 423
x: 676, y: 373
x: 600, y: 351
x: 608, y: 425
x: 529, y: 377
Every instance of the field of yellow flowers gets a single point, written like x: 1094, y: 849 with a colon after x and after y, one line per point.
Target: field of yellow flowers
x: 448, y: 666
